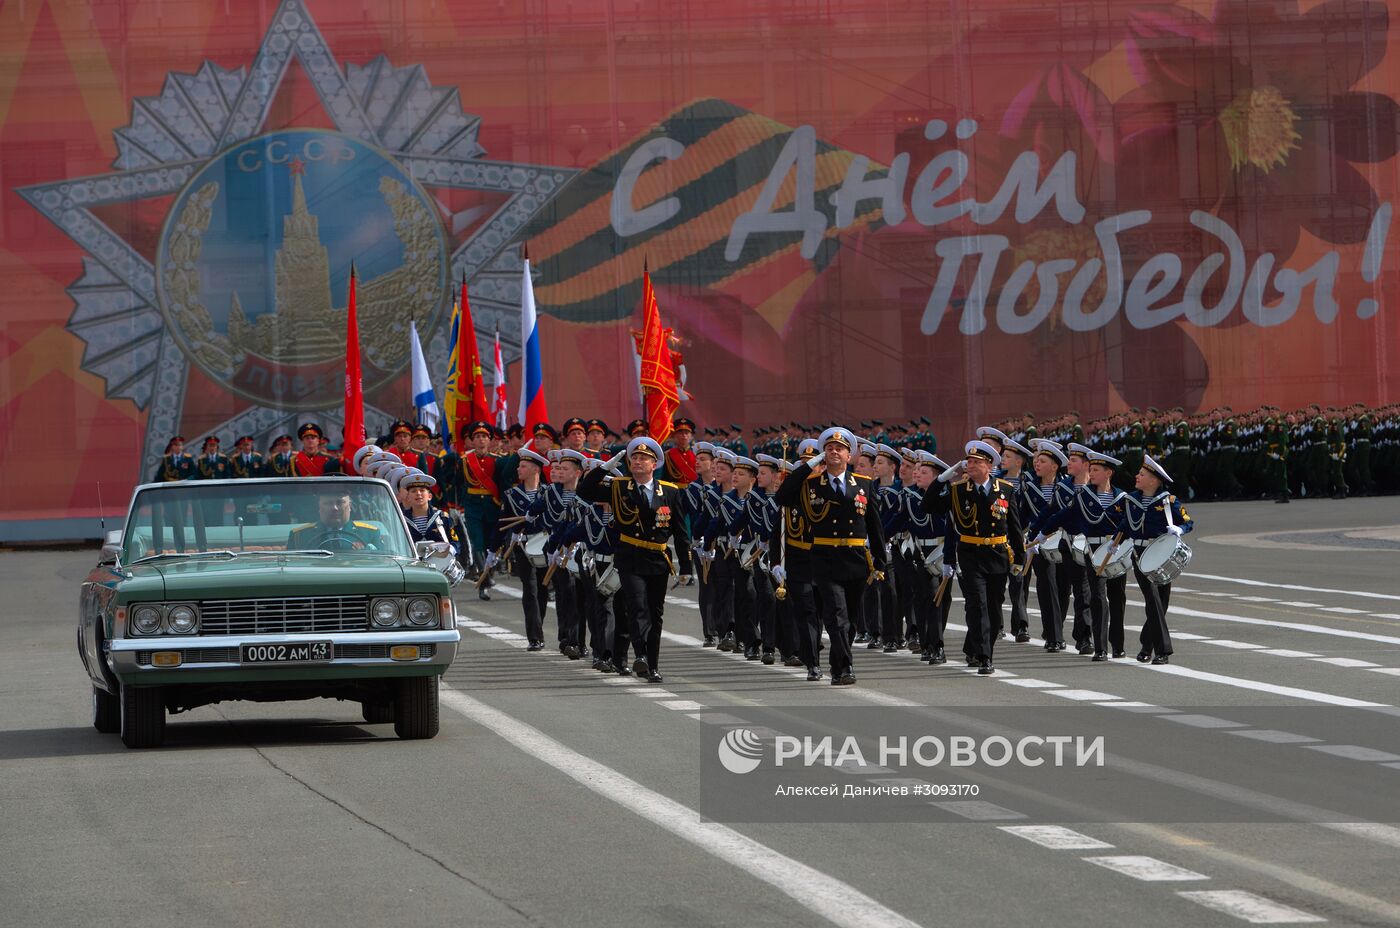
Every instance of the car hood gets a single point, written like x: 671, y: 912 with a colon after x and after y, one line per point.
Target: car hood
x: 288, y: 575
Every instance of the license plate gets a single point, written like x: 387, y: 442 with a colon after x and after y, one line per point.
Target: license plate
x: 299, y: 652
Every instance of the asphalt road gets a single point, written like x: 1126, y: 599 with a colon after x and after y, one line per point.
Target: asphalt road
x: 555, y: 795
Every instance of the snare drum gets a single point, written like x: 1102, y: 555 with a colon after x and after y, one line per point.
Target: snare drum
x: 534, y: 549
x: 608, y: 582
x: 1109, y: 563
x: 1163, y: 560
x: 1051, y: 549
x: 1079, y: 549
x: 933, y: 560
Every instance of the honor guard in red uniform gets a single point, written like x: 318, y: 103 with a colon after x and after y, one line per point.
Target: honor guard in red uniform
x: 175, y: 464
x: 401, y: 438
x: 637, y: 427
x: 246, y: 462
x: 311, y: 460
x: 680, y: 460
x: 481, y: 478
x: 418, y: 444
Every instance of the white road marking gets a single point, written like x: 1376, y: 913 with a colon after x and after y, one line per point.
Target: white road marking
x: 652, y: 693
x: 1146, y: 868
x: 1293, y: 586
x: 1082, y: 695
x: 1145, y: 707
x: 1355, y: 752
x: 1273, y: 736
x: 1249, y: 907
x: 1392, y: 671
x: 1190, y: 636
x: 978, y: 811
x: 1056, y: 837
x: 1300, y: 605
x: 1371, y: 831
x: 1344, y: 662
x: 821, y: 893
x: 1237, y: 645
x: 1202, y: 721
x: 1344, y: 609
x: 1034, y: 684
x: 681, y: 705
x: 1293, y: 626
x: 1281, y: 652
x: 1257, y: 686
x: 1385, y: 615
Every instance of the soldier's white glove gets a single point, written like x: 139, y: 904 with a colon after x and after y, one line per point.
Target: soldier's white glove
x: 1175, y: 530
x: 557, y: 558
x: 734, y: 541
x: 518, y: 539
x: 780, y: 573
x: 492, y: 559
x: 1038, y: 540
x: 612, y: 463
x: 947, y: 570
x: 952, y: 472
x: 687, y: 579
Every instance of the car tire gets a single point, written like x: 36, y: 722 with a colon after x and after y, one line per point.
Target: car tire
x: 106, y: 712
x: 142, y: 716
x: 416, y: 708
x: 377, y: 713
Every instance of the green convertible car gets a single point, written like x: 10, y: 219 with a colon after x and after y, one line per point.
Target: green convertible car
x: 266, y: 590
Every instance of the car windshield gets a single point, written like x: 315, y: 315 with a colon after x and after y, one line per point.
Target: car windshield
x: 231, y: 518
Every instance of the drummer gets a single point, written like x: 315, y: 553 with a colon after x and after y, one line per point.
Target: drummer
x: 1150, y: 513
x: 425, y: 521
x: 1036, y: 498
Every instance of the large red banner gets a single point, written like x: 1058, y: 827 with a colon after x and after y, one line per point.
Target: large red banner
x: 850, y: 211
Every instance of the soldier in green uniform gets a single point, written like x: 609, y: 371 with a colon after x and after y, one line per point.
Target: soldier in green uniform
x: 1276, y: 460
x: 333, y: 529
x: 1336, y: 461
x: 175, y: 464
x: 1358, y: 438
x: 246, y: 462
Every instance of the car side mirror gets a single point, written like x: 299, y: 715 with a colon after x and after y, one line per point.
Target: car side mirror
x: 111, y: 549
x: 438, y: 555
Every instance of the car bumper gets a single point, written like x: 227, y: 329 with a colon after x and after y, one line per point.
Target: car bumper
x: 205, y: 657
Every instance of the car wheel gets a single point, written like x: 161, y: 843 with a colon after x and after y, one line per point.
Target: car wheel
x: 377, y: 712
x: 142, y: 716
x: 416, y: 707
x: 106, y: 712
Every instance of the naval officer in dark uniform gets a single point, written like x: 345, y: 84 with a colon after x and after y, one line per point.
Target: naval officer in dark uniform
x: 982, y: 509
x: 647, y: 513
x: 848, y: 544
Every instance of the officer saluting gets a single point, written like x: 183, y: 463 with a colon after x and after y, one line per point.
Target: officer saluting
x: 984, y: 517
x: 848, y: 545
x: 647, y: 513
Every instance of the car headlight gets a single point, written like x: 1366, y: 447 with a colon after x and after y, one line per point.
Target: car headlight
x: 145, y: 620
x: 386, y: 612
x: 182, y: 620
x: 422, y: 611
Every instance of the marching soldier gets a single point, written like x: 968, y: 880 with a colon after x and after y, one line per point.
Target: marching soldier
x: 848, y: 547
x: 519, y: 502
x: 426, y: 522
x: 175, y: 464
x: 647, y: 513
x: 1036, y: 499
x: 989, y: 543
x: 480, y: 479
x: 1151, y: 512
x: 1015, y: 457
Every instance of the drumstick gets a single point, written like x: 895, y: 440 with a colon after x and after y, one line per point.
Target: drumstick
x: 1098, y: 571
x: 505, y: 558
x: 938, y: 597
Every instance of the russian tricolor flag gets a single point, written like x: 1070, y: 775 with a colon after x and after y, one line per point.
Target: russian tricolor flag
x: 532, y: 406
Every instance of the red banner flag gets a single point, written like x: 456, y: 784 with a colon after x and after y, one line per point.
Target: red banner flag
x: 466, y: 389
x: 660, y: 391
x: 354, y: 437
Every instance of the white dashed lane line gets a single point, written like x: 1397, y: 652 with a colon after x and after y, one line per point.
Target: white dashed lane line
x: 1249, y: 907
x: 1147, y: 869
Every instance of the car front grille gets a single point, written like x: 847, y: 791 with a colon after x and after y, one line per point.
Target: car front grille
x: 303, y: 615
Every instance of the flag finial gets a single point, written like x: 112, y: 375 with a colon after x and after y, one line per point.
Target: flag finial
x: 352, y: 268
x: 525, y: 250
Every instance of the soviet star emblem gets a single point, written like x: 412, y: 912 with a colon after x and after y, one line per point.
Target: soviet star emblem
x: 245, y: 285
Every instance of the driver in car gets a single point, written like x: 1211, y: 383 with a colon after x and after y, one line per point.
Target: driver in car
x: 334, y: 529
